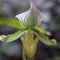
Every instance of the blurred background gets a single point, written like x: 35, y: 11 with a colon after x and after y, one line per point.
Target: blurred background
x: 51, y: 22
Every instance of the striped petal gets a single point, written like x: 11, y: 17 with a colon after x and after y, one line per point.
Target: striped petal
x: 30, y: 18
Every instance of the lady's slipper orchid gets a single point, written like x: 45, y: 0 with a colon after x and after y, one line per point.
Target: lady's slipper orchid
x: 30, y: 18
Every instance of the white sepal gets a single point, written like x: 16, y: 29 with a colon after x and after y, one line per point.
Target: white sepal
x: 32, y: 17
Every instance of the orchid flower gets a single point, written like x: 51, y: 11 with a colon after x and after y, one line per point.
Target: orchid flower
x: 30, y: 21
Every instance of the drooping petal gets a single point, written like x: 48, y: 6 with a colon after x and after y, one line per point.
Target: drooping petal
x: 44, y: 39
x: 13, y: 37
